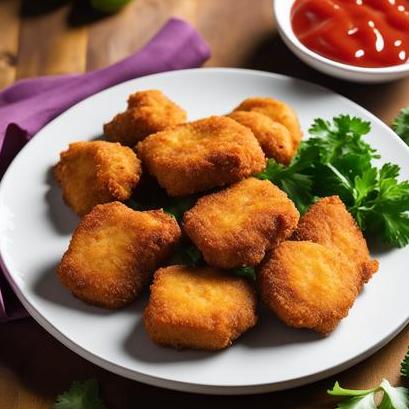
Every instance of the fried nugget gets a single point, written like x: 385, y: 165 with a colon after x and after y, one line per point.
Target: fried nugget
x: 236, y: 226
x: 274, y: 138
x: 198, y: 308
x: 278, y: 111
x: 91, y: 173
x: 328, y: 222
x: 148, y: 112
x: 113, y: 251
x: 201, y: 155
x: 308, y: 285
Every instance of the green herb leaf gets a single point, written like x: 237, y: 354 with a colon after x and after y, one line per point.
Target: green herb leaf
x: 81, y: 395
x: 404, y: 366
x: 394, y: 397
x: 337, y: 390
x: 401, y: 125
x: 187, y: 254
x: 247, y: 272
x: 359, y: 402
x: 337, y: 161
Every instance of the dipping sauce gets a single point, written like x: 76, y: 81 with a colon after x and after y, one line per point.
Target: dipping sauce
x: 365, y: 33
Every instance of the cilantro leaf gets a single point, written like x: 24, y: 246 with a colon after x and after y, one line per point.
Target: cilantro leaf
x: 295, y: 179
x: 401, y: 125
x: 177, y: 207
x: 81, y: 395
x: 340, y: 137
x: 336, y: 160
x: 394, y: 397
x: 404, y: 366
x: 247, y: 272
x: 187, y: 254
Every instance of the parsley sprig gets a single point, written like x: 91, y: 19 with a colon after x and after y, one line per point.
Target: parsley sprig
x: 401, y: 125
x: 404, y: 366
x: 81, y: 395
x: 336, y: 160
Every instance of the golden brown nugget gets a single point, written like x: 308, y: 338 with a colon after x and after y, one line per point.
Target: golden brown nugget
x: 92, y: 173
x: 148, y: 112
x: 328, y: 222
x: 198, y: 308
x: 113, y: 251
x: 236, y: 226
x: 274, y: 138
x: 308, y: 285
x: 278, y: 111
x: 201, y: 155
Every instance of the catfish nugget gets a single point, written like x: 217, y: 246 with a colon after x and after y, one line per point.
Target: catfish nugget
x: 113, y: 251
x: 96, y: 172
x: 199, y: 308
x: 148, y: 112
x: 201, y: 155
x: 308, y: 285
x: 278, y: 111
x: 236, y: 226
x: 329, y: 223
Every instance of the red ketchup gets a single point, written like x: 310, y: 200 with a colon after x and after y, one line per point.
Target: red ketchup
x: 365, y: 33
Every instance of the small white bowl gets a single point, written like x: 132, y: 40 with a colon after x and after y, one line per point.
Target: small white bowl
x: 282, y: 13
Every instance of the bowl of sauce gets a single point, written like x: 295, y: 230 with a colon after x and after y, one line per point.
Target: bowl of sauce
x: 357, y: 40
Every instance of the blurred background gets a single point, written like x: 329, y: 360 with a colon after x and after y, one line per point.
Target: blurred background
x: 42, y: 37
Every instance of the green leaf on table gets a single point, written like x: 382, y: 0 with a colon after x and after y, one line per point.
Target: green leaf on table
x: 81, y: 395
x: 404, y: 366
x: 394, y: 397
x: 401, y: 125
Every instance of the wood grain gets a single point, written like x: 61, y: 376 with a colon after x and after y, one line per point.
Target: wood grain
x: 48, y: 45
x: 34, y: 367
x: 9, y: 29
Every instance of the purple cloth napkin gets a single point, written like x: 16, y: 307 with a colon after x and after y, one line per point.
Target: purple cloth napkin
x: 28, y: 105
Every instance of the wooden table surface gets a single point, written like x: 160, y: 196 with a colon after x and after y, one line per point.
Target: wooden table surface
x: 38, y: 39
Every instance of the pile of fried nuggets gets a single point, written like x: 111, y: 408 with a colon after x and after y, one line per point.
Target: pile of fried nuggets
x: 309, y: 269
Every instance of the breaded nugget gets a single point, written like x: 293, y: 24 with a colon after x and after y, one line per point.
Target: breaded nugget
x: 278, y: 111
x: 198, y: 308
x: 113, y: 251
x: 308, y: 285
x: 328, y: 222
x: 201, y: 155
x: 236, y: 226
x: 91, y: 173
x: 148, y: 112
x: 274, y: 138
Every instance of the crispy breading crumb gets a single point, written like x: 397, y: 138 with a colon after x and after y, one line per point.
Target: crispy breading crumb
x: 201, y: 155
x: 328, y: 222
x: 278, y: 111
x: 113, y: 251
x: 308, y: 285
x: 198, y: 308
x: 274, y: 138
x: 91, y: 173
x: 148, y: 112
x: 236, y: 226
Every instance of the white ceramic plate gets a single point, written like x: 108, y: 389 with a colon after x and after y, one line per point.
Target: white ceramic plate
x: 35, y: 228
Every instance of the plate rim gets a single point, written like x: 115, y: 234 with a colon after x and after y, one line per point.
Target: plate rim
x: 196, y: 387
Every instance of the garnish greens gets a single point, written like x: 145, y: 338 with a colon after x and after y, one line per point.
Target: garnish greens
x: 392, y: 397
x: 336, y: 160
x: 81, y: 395
x: 401, y: 125
x: 245, y: 272
x: 404, y: 366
